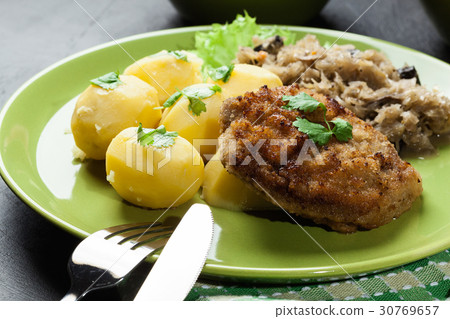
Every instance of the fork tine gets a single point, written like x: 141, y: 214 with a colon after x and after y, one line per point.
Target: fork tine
x: 147, y: 235
x: 116, y: 230
x: 137, y: 233
x: 153, y: 242
x: 131, y: 236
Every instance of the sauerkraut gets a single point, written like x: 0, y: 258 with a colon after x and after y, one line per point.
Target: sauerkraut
x: 366, y: 82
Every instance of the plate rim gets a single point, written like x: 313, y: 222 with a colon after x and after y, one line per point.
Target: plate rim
x: 217, y: 270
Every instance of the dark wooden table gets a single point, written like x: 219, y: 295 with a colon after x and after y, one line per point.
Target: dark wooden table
x: 35, y: 34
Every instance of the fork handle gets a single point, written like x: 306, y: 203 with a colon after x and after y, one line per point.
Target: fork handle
x: 71, y: 295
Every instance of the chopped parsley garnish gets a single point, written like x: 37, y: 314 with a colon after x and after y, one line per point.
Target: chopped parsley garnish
x: 302, y: 102
x: 342, y: 130
x: 179, y: 55
x: 222, y: 73
x: 195, y: 95
x: 172, y: 99
x: 196, y: 106
x: 317, y: 132
x: 158, y: 137
x: 109, y: 81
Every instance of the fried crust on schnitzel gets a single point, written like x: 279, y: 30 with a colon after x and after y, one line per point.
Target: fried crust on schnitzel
x: 359, y: 184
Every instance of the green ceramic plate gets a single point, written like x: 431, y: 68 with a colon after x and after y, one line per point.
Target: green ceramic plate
x: 36, y: 162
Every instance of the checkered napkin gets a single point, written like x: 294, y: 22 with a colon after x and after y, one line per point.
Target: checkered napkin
x: 426, y: 279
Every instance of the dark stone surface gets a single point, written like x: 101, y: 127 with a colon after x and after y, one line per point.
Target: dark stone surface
x: 35, y: 34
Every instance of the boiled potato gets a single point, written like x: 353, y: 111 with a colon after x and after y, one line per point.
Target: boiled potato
x: 165, y: 112
x: 101, y: 114
x: 224, y: 190
x: 192, y: 127
x: 153, y: 177
x: 169, y: 72
x: 246, y: 78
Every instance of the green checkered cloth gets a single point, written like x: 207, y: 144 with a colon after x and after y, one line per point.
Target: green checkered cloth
x: 426, y: 279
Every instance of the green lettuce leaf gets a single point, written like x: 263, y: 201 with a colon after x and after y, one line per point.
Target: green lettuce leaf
x: 219, y: 46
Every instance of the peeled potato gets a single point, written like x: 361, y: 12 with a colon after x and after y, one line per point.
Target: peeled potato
x: 224, y: 190
x: 101, y: 114
x: 169, y: 72
x: 153, y: 177
x: 192, y: 127
x: 165, y: 112
x: 247, y: 78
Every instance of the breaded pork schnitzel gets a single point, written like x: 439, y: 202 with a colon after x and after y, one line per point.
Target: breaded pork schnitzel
x: 358, y: 184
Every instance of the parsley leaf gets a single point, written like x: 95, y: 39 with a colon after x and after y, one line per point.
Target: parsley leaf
x: 172, y: 99
x: 321, y: 134
x: 342, y: 130
x: 302, y: 102
x: 317, y: 132
x: 201, y: 92
x: 194, y: 94
x: 158, y: 137
x: 222, y: 73
x: 109, y: 81
x: 196, y: 105
x: 179, y: 55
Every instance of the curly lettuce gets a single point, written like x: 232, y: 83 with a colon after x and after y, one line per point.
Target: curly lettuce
x: 219, y: 46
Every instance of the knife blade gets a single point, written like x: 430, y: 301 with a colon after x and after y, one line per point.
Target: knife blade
x: 182, y: 259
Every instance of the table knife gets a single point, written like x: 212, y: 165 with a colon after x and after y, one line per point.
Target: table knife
x: 182, y: 259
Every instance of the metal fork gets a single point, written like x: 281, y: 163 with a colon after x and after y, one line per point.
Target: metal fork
x: 105, y: 257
